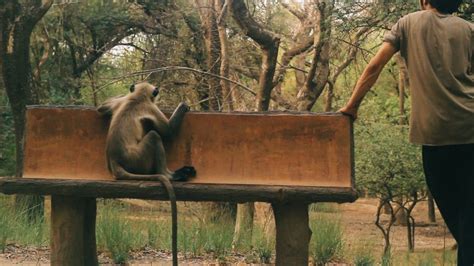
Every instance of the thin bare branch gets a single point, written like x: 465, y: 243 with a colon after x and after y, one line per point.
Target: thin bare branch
x: 174, y: 68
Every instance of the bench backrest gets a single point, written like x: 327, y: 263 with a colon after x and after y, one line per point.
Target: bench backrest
x: 291, y: 149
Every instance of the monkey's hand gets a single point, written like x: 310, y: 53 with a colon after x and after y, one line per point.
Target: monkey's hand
x: 182, y: 108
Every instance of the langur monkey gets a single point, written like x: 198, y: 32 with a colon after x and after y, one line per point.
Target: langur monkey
x: 134, y: 146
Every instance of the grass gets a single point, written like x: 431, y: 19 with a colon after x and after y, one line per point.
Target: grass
x: 15, y: 227
x: 5, y: 227
x: 424, y: 258
x: 263, y: 246
x: 364, y: 256
x: 326, y: 243
x: 427, y: 260
x: 114, y: 233
x: 387, y: 259
x: 121, y: 228
x: 324, y: 207
x: 118, y: 234
x: 214, y: 238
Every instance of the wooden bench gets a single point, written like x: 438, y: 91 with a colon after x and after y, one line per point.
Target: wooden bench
x: 287, y: 159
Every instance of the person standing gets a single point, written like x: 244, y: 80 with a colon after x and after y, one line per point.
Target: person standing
x: 438, y: 49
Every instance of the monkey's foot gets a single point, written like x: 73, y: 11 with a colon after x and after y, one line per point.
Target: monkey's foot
x: 184, y: 173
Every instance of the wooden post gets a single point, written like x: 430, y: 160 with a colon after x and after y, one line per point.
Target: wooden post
x: 292, y: 233
x: 90, y: 245
x: 73, y: 231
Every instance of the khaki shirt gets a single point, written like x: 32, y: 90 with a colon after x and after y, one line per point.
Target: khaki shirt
x: 438, y: 50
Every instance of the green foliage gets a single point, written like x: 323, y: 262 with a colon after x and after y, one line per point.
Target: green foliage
x: 159, y: 234
x: 218, y: 237
x: 7, y: 146
x: 387, y: 165
x: 5, y: 225
x: 449, y: 257
x: 327, y: 243
x: 76, y: 38
x: 364, y: 259
x: 215, y: 237
x: 466, y: 10
x: 117, y: 233
x: 364, y: 254
x: 7, y: 136
x: 114, y: 233
x: 15, y: 226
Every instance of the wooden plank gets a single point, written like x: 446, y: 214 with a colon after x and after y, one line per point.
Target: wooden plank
x: 184, y: 191
x: 286, y: 149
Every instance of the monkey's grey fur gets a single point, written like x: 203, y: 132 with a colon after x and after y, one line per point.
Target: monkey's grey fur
x: 134, y: 146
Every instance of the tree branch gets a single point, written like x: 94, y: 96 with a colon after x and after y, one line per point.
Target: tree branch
x: 175, y: 68
x: 295, y: 12
x: 268, y: 41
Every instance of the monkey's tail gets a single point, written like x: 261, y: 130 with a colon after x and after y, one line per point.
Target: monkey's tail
x: 122, y: 174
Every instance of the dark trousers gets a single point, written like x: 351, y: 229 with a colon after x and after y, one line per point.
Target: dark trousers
x: 449, y: 172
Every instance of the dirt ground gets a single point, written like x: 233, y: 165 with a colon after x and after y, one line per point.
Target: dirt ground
x: 359, y: 232
x: 358, y: 220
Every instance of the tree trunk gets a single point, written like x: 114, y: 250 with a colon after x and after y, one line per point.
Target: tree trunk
x: 401, y: 216
x: 243, y: 223
x: 351, y: 55
x: 329, y: 97
x: 318, y: 74
x: 213, y: 50
x: 3, y: 132
x: 221, y: 6
x: 269, y: 44
x: 16, y: 25
x: 431, y: 208
x: 300, y: 76
x: 385, y: 230
x: 217, y: 211
x: 303, y: 41
x: 402, y: 86
x: 199, y: 56
x: 410, y: 233
x: 387, y: 208
x: 213, y: 30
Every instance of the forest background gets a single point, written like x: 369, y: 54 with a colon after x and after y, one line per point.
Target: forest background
x: 223, y: 56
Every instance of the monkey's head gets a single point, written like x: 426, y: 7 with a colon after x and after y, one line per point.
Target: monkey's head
x: 145, y: 89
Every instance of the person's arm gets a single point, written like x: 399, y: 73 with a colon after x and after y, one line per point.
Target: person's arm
x: 368, y: 78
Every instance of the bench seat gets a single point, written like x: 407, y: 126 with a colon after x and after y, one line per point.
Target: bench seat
x: 184, y: 191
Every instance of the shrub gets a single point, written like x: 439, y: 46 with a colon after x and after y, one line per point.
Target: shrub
x: 263, y: 246
x: 327, y: 242
x: 115, y: 234
x: 15, y: 226
x: 5, y: 226
x: 364, y: 259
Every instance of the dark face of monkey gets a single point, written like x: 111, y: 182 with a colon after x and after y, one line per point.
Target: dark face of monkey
x: 145, y: 90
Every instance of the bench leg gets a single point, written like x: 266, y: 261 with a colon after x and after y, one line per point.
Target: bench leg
x: 90, y: 245
x: 73, y: 231
x: 292, y: 233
